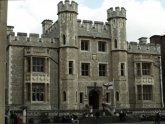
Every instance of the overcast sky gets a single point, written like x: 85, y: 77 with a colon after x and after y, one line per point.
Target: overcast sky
x: 144, y: 17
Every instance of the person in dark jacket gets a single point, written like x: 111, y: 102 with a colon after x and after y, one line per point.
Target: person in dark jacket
x: 157, y: 118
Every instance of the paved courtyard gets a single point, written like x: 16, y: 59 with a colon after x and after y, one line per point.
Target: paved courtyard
x: 145, y: 122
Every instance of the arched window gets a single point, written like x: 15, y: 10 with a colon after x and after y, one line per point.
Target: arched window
x: 64, y: 39
x: 115, y: 43
x: 64, y: 96
x: 117, y: 96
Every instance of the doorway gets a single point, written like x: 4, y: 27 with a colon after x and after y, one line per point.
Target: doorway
x: 94, y: 99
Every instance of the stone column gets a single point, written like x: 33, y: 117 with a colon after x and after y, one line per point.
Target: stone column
x: 3, y: 41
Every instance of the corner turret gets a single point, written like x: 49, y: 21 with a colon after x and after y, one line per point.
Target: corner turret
x: 67, y: 7
x: 142, y: 40
x: 46, y: 24
x: 117, y: 13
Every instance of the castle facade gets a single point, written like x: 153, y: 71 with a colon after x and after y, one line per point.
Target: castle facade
x: 78, y: 63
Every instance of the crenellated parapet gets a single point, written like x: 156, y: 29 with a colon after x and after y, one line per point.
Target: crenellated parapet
x: 94, y: 29
x: 117, y: 13
x: 22, y: 39
x: 67, y: 7
x: 141, y: 47
x: 90, y: 25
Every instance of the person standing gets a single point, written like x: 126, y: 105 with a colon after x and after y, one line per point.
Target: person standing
x: 157, y: 118
x: 19, y: 121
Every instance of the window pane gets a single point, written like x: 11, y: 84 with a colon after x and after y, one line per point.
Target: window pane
x: 122, y: 69
x: 101, y: 46
x: 38, y: 64
x: 102, y: 69
x: 81, y: 97
x: 138, y: 69
x: 147, y: 92
x: 107, y: 97
x: 70, y: 67
x: 38, y: 92
x: 139, y: 92
x: 85, y: 45
x: 146, y: 68
x: 85, y: 69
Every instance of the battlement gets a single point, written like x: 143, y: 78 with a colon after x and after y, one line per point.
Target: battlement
x: 90, y: 25
x: 117, y: 13
x: 31, y: 40
x: 141, y: 47
x: 67, y: 7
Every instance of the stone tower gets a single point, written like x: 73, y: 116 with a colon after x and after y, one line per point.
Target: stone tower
x: 68, y: 47
x: 117, y: 21
x: 3, y: 41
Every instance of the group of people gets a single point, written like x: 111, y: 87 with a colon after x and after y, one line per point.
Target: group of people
x: 15, y: 119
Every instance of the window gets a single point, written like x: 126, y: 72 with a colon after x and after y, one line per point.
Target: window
x: 102, y: 69
x: 101, y: 46
x: 139, y: 92
x: 122, y: 71
x: 38, y: 64
x: 107, y: 97
x: 115, y: 44
x: 85, y: 69
x: 117, y: 96
x: 143, y: 69
x: 64, y: 39
x: 146, y: 68
x: 81, y: 97
x: 70, y: 67
x: 64, y: 96
x: 38, y: 92
x: 147, y: 92
x: 85, y: 45
x: 138, y: 70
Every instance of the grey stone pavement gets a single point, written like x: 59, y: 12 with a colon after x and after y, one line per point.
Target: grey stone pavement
x: 144, y: 122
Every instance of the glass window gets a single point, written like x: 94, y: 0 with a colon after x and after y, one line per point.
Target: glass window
x: 115, y: 44
x: 101, y: 46
x: 85, y: 45
x: 102, y: 69
x: 64, y: 96
x: 38, y: 64
x: 38, y: 92
x: 64, y: 39
x: 107, y: 97
x: 146, y: 68
x: 117, y: 96
x: 81, y: 97
x: 85, y: 69
x: 122, y: 71
x: 147, y: 92
x: 139, y: 92
x: 70, y: 67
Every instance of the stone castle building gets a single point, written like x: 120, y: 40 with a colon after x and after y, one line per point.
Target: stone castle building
x: 69, y: 66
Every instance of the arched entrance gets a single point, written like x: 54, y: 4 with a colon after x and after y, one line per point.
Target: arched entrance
x: 94, y: 99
